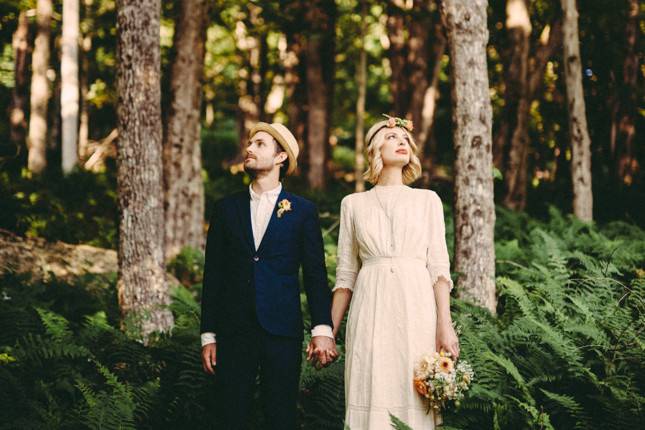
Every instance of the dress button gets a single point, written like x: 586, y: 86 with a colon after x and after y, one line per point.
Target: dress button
x: 256, y: 258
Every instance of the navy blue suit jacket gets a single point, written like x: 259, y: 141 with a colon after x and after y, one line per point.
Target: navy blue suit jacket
x: 243, y: 285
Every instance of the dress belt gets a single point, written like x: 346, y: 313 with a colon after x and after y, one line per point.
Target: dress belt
x: 390, y: 260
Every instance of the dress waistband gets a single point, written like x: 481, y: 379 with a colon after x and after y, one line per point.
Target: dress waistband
x: 389, y: 260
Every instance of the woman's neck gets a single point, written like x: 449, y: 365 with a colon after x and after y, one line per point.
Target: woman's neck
x: 391, y: 176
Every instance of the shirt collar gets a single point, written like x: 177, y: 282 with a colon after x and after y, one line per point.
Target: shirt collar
x: 271, y: 193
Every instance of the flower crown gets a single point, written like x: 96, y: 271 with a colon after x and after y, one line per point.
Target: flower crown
x: 393, y: 121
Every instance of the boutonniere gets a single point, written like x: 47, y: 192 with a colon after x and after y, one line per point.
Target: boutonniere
x: 283, y: 206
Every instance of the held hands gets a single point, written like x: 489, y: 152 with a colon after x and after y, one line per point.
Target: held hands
x: 321, y: 351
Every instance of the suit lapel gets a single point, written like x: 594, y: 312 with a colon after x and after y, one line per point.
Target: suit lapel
x: 244, y: 208
x: 274, y: 222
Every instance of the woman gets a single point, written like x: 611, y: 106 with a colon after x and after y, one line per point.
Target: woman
x: 393, y: 268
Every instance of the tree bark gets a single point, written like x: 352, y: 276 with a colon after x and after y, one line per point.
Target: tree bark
x: 418, y: 56
x: 69, y: 84
x: 86, y: 47
x: 142, y: 286
x: 578, y: 132
x: 429, y: 107
x: 295, y: 83
x: 320, y: 17
x: 474, y: 209
x: 17, y: 116
x: 397, y: 54
x: 361, y: 83
x: 518, y: 26
x: 624, y: 111
x: 40, y: 92
x: 183, y: 185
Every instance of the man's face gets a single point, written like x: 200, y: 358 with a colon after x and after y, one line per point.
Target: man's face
x: 262, y: 153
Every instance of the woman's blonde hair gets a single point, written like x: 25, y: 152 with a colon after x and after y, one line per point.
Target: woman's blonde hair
x: 374, y: 142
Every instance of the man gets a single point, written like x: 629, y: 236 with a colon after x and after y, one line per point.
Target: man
x: 251, y: 318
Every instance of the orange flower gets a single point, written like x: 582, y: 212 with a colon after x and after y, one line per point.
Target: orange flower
x: 421, y: 387
x: 391, y: 122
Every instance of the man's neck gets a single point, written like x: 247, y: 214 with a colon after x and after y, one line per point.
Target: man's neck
x: 262, y: 184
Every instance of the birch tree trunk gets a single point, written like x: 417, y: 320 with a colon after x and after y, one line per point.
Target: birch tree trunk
x: 183, y: 185
x: 17, y: 117
x: 578, y: 132
x: 69, y: 84
x: 40, y: 92
x: 474, y: 209
x: 142, y: 287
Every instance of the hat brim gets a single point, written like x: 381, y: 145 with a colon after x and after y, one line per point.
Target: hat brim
x: 263, y: 126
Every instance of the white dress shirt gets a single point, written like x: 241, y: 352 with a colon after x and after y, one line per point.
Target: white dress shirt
x: 262, y: 206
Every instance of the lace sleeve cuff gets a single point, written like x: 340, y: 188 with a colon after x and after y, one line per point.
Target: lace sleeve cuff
x: 437, y: 272
x: 345, y: 279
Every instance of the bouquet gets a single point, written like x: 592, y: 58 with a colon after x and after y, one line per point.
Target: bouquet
x: 439, y: 379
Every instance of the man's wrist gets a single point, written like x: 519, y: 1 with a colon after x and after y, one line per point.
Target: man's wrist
x: 207, y: 338
x: 322, y: 330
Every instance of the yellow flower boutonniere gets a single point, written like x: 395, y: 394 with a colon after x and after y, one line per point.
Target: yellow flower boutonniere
x: 283, y: 206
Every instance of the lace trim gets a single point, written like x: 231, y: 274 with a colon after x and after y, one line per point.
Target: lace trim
x: 345, y: 279
x: 437, y: 272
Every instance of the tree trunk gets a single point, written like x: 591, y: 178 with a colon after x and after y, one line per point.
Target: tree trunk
x: 417, y: 60
x: 320, y: 17
x: 37, y: 139
x: 578, y: 132
x: 474, y: 209
x: 142, y: 286
x: 183, y: 185
x: 624, y: 112
x: 432, y: 92
x: 69, y: 84
x: 361, y: 83
x: 17, y: 116
x: 295, y: 78
x: 86, y: 47
x: 397, y: 54
x: 518, y: 26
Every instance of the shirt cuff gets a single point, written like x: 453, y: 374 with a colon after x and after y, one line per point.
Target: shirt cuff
x: 322, y: 330
x: 207, y: 338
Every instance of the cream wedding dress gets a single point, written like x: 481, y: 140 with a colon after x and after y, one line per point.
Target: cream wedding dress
x: 391, y: 250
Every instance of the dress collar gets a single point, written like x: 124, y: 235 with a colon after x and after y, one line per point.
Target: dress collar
x: 271, y: 193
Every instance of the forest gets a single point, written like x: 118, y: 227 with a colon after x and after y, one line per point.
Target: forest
x: 124, y: 121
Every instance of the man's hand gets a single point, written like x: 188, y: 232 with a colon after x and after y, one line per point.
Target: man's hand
x: 323, y: 349
x: 209, y: 357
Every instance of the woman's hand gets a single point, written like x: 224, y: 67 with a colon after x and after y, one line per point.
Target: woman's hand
x: 447, y: 338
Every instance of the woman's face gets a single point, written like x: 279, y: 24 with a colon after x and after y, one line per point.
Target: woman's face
x: 396, y: 149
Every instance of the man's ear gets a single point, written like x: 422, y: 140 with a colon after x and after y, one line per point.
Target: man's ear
x: 282, y: 157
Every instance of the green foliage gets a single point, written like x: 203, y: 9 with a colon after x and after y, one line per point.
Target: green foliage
x: 79, y: 208
x: 564, y: 351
